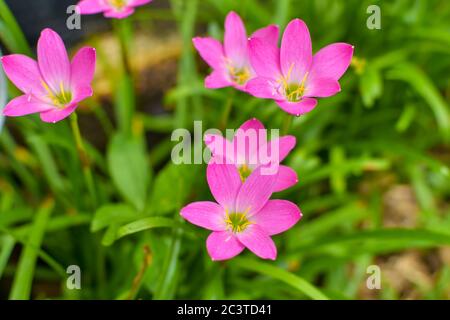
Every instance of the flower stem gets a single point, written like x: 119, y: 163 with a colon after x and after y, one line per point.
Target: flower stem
x: 287, y: 122
x: 227, y: 111
x: 84, y: 159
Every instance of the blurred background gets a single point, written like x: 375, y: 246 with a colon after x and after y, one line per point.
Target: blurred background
x: 373, y: 161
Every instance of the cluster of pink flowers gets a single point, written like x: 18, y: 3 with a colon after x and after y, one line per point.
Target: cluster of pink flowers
x: 243, y: 173
x: 290, y: 75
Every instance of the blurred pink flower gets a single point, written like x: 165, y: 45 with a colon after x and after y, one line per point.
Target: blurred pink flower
x: 53, y: 86
x: 250, y: 149
x: 243, y: 215
x: 111, y: 8
x: 291, y: 75
x: 230, y: 62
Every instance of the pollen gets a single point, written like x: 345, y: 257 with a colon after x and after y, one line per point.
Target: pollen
x: 238, y: 75
x: 244, y: 172
x: 118, y: 4
x: 61, y: 98
x: 237, y: 222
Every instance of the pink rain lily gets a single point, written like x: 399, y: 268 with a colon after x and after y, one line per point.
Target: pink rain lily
x: 243, y: 215
x: 291, y: 75
x: 230, y: 62
x: 111, y: 8
x: 249, y: 149
x: 53, y: 86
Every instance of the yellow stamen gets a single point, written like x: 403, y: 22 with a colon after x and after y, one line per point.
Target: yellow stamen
x: 237, y: 222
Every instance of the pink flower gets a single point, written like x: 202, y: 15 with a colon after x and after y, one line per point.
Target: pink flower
x: 291, y: 75
x: 250, y: 149
x: 111, y: 8
x: 230, y: 62
x: 53, y: 86
x: 243, y: 215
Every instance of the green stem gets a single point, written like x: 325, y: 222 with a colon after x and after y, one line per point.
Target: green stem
x: 287, y: 122
x: 227, y: 111
x: 84, y: 159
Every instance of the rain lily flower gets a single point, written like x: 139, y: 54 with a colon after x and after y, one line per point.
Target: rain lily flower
x: 53, y: 86
x: 230, y: 62
x: 111, y: 8
x: 243, y: 215
x: 291, y: 75
x: 249, y: 150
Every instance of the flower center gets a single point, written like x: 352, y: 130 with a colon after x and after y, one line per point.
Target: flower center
x: 118, y: 4
x: 244, y: 172
x: 293, y: 91
x: 238, y: 76
x: 59, y: 99
x: 237, y: 222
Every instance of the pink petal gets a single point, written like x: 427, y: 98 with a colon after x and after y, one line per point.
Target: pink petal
x: 125, y: 12
x: 24, y: 105
x: 81, y: 93
x: 277, y: 216
x: 91, y: 6
x: 331, y: 61
x: 224, y: 182
x: 205, y: 214
x: 265, y: 88
x: 247, y: 140
x: 258, y: 241
x: 210, y: 50
x: 83, y: 67
x: 322, y: 87
x: 281, y: 146
x: 56, y: 115
x: 223, y: 245
x: 136, y: 3
x: 217, y: 79
x: 296, y: 52
x: 53, y: 61
x: 298, y: 108
x: 235, y: 40
x: 220, y: 147
x: 255, y: 191
x: 265, y: 58
x: 287, y: 177
x: 24, y: 73
x: 269, y: 34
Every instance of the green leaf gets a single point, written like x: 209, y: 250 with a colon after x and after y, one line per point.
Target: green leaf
x: 129, y: 169
x: 370, y: 85
x: 21, y: 287
x: 145, y: 224
x: 113, y: 214
x: 285, y: 276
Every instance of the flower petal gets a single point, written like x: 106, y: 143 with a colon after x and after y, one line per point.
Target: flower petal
x: 296, y: 51
x: 220, y: 147
x: 265, y: 88
x: 81, y: 93
x: 255, y: 191
x: 91, y: 6
x: 298, y: 108
x: 24, y: 105
x: 287, y: 177
x: 322, y: 87
x: 56, y: 115
x: 258, y: 241
x: 53, y: 60
x: 125, y: 12
x: 277, y: 216
x: 235, y: 40
x: 223, y: 245
x: 247, y: 140
x: 210, y: 50
x: 281, y: 146
x: 269, y: 34
x: 83, y: 67
x: 24, y: 73
x: 217, y: 79
x: 205, y: 214
x: 331, y: 61
x: 224, y: 183
x: 265, y: 58
x: 136, y: 3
